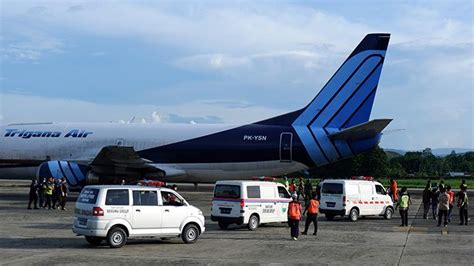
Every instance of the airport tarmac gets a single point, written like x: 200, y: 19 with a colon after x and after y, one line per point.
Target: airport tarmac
x: 45, y: 237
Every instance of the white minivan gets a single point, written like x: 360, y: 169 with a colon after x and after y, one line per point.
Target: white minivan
x: 115, y: 213
x: 249, y: 202
x: 354, y: 198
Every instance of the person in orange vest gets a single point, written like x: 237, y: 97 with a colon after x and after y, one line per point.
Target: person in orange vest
x: 394, y: 189
x: 312, y: 208
x: 294, y: 216
x: 292, y: 186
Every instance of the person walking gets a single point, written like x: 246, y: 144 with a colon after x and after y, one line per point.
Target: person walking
x: 312, y: 208
x: 64, y: 190
x: 434, y: 201
x: 300, y: 188
x: 451, y: 202
x: 463, y: 205
x: 33, y: 195
x: 48, y: 188
x: 394, y: 189
x: 308, y: 190
x: 426, y: 201
x: 41, y: 182
x: 294, y: 216
x: 56, y: 199
x: 404, y: 203
x: 286, y: 183
x: 292, y: 186
x: 443, y: 206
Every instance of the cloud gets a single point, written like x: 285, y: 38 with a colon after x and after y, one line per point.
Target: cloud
x: 277, y: 55
x: 42, y: 109
x: 209, y: 119
x: 29, y: 45
x: 155, y: 117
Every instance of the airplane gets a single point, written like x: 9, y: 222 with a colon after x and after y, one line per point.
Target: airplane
x: 333, y: 126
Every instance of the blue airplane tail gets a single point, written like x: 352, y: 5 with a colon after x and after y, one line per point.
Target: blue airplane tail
x: 347, y: 98
x: 344, y: 102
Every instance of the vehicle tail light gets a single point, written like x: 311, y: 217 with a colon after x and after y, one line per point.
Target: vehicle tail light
x: 97, y: 211
x: 343, y: 200
x: 242, y: 203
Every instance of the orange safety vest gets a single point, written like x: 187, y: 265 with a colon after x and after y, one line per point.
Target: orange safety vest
x: 292, y: 187
x: 294, y: 210
x: 313, y: 206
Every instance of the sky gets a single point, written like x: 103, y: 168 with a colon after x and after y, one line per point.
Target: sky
x: 234, y: 62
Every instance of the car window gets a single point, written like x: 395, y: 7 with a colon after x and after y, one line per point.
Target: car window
x: 171, y: 199
x: 117, y: 197
x: 88, y: 195
x: 332, y: 188
x: 380, y: 190
x: 253, y: 192
x: 227, y: 191
x: 145, y: 198
x: 283, y: 193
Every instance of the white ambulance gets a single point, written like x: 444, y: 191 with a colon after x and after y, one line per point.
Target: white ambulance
x: 354, y: 198
x: 115, y: 213
x: 249, y: 202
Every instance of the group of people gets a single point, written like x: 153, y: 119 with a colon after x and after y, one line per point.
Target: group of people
x: 295, y: 213
x: 48, y: 192
x: 439, y: 198
x: 303, y: 189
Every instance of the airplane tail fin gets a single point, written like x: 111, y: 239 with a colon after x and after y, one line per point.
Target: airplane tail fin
x: 347, y: 98
x: 343, y: 103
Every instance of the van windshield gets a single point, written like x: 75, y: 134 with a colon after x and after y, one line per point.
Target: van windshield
x: 88, y: 195
x: 227, y: 191
x: 332, y: 188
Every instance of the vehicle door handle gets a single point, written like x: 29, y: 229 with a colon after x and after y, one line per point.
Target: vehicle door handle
x: 137, y: 210
x: 167, y: 210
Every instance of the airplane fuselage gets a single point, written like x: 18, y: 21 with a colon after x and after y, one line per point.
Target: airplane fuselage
x: 251, y: 150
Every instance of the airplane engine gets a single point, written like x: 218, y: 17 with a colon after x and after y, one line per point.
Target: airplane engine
x: 76, y: 175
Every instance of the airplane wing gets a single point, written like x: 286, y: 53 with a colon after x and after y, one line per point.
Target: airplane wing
x: 123, y: 161
x: 362, y: 131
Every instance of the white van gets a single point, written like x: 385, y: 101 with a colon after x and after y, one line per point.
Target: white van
x: 115, y: 213
x: 354, y: 198
x: 249, y: 202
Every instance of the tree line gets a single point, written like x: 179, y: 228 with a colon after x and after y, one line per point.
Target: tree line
x: 381, y: 164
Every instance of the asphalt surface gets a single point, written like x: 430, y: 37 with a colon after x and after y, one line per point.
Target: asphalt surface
x: 45, y: 237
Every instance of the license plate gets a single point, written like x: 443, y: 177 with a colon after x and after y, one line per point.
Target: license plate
x: 331, y: 204
x: 82, y: 221
x: 226, y: 210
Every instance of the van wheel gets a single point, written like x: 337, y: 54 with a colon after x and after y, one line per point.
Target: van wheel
x: 223, y: 225
x: 94, y: 241
x: 329, y: 217
x: 388, y: 213
x: 190, y: 234
x: 116, y: 237
x: 354, y: 215
x: 253, y: 222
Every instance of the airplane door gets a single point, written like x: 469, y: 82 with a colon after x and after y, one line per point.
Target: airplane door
x: 286, y: 146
